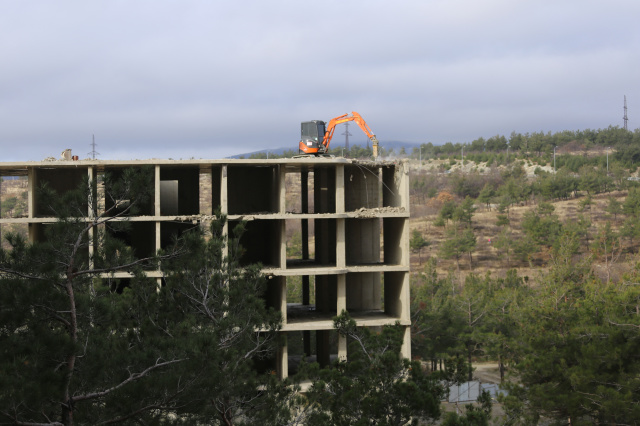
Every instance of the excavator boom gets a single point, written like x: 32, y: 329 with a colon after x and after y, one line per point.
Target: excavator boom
x: 357, y: 118
x: 316, y: 137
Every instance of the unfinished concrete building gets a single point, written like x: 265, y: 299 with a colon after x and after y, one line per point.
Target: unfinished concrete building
x: 332, y: 234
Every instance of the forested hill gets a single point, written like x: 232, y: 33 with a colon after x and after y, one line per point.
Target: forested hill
x: 529, y: 258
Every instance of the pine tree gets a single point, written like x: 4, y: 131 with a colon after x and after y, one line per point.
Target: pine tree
x: 376, y: 386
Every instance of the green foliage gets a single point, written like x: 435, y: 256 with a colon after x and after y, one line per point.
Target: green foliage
x: 614, y: 207
x: 458, y: 242
x: 464, y: 212
x: 542, y: 226
x: 73, y: 347
x: 227, y: 331
x: 503, y: 220
x: 417, y: 243
x: 586, y: 331
x: 376, y: 386
x: 486, y: 194
x: 473, y: 415
x: 78, y: 345
x: 294, y: 246
x: 631, y: 205
x: 447, y: 211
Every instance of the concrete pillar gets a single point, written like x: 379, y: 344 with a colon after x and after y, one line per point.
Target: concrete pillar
x: 31, y: 201
x: 341, y: 302
x: 158, y: 236
x: 406, y: 343
x: 282, y: 191
x: 282, y: 361
x: 31, y: 194
x: 340, y: 206
x: 282, y: 261
x: 224, y: 202
x: 224, y: 199
x: 342, y: 348
x: 157, y: 191
x: 341, y: 256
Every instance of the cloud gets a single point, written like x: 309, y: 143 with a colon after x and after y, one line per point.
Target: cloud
x: 221, y: 78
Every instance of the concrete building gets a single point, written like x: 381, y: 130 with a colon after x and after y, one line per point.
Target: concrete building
x: 351, y: 217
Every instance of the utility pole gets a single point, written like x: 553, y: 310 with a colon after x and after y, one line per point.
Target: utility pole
x: 93, y: 152
x: 625, y: 113
x: 346, y: 137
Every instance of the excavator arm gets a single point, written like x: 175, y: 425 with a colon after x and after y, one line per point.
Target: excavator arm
x: 331, y: 127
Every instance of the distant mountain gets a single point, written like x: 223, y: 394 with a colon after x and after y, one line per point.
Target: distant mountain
x: 387, y: 145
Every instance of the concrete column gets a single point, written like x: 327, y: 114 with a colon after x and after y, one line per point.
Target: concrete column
x: 282, y: 294
x: 282, y: 190
x: 31, y: 195
x: 224, y: 200
x: 206, y: 174
x: 341, y: 304
x: 282, y: 363
x: 282, y: 262
x: 342, y: 348
x: 406, y: 343
x: 340, y: 189
x: 157, y: 191
x: 158, y: 235
x: 31, y: 201
x: 405, y: 296
x: 341, y: 256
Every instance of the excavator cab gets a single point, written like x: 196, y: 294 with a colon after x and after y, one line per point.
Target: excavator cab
x: 311, y: 137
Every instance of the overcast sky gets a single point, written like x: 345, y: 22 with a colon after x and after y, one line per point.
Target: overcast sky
x: 210, y: 79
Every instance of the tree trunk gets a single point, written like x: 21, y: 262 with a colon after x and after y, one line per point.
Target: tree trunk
x: 67, y: 406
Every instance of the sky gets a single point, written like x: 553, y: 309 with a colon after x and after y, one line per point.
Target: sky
x: 210, y: 79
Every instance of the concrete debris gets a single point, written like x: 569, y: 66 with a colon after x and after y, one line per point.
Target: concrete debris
x: 364, y: 212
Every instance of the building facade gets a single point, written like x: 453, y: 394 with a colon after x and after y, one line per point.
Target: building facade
x: 332, y: 234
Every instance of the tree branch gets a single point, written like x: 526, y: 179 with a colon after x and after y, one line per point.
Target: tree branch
x: 133, y: 377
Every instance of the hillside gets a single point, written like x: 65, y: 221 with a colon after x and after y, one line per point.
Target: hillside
x: 427, y: 203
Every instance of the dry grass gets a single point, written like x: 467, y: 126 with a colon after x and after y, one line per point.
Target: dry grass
x: 486, y: 258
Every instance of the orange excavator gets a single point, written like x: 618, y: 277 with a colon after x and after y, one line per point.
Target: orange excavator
x: 316, y: 134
